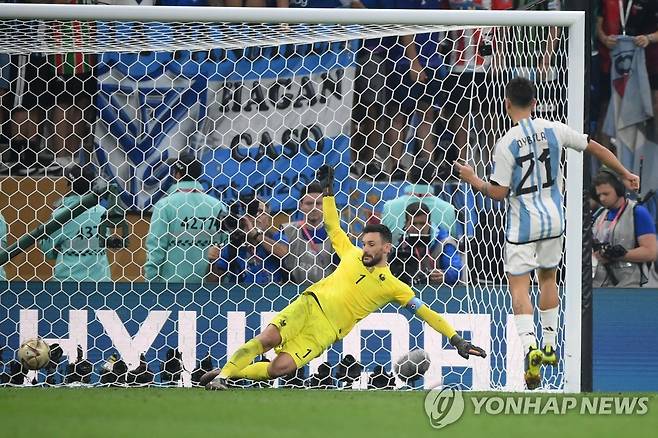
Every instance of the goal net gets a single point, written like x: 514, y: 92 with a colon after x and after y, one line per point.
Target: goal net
x: 109, y: 99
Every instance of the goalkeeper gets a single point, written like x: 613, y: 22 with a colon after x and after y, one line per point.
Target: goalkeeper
x: 328, y: 310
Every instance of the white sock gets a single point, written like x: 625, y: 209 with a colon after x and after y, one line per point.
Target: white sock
x: 525, y: 326
x: 549, y: 320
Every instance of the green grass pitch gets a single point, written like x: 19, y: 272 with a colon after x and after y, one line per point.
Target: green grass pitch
x: 159, y: 412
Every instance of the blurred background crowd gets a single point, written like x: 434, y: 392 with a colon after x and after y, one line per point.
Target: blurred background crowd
x: 420, y: 102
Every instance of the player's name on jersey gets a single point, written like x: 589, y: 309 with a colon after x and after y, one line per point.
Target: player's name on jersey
x: 534, y: 138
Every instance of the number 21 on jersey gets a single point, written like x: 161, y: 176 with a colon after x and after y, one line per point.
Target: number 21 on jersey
x: 538, y: 166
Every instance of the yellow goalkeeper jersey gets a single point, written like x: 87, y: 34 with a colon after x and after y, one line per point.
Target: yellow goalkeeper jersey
x: 353, y: 291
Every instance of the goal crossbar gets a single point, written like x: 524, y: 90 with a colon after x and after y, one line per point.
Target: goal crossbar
x: 289, y: 15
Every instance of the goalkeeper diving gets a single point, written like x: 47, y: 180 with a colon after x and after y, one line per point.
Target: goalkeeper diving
x: 328, y: 310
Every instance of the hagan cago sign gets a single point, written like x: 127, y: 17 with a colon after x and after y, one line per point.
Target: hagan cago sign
x: 139, y: 318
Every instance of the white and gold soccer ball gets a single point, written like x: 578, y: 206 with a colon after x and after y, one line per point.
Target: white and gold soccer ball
x: 34, y: 354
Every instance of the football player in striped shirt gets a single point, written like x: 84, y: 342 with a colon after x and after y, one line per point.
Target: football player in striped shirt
x: 527, y: 173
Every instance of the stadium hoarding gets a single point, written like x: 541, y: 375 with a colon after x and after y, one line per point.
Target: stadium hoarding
x: 135, y: 318
x: 140, y: 318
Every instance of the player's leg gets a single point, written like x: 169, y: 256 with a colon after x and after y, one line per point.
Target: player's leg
x: 292, y: 355
x: 298, y: 346
x: 520, y: 261
x: 263, y: 370
x: 314, y: 338
x: 282, y: 365
x: 548, y: 313
x: 296, y: 351
x: 285, y: 326
x: 525, y: 326
x: 264, y: 342
x: 548, y: 256
x: 243, y: 357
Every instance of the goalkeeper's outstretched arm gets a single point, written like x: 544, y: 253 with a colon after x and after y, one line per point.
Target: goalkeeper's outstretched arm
x: 339, y: 240
x: 464, y: 348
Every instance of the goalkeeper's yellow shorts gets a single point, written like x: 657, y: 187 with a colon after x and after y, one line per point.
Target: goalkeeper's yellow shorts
x: 305, y: 330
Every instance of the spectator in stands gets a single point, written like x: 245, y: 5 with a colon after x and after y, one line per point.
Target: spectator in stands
x: 184, y: 224
x: 466, y: 86
x: 310, y: 255
x: 425, y: 254
x: 370, y: 98
x: 416, y: 81
x: 72, y: 83
x: 624, y: 235
x: 256, y: 257
x: 51, y: 108
x: 442, y: 213
x: 28, y: 103
x: 638, y: 18
x: 76, y: 246
x: 3, y: 244
x: 532, y: 52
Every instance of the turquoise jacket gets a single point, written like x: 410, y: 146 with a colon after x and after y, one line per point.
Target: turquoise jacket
x: 442, y: 213
x: 3, y: 243
x: 76, y: 246
x: 183, y: 225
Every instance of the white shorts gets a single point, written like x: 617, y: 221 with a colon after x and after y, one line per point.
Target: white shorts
x: 526, y: 257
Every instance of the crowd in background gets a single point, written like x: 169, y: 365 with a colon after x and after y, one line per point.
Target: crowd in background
x: 415, y: 89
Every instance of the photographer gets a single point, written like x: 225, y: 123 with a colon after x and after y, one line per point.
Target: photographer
x: 256, y: 252
x: 624, y: 236
x: 425, y: 254
x: 183, y: 225
x: 311, y: 257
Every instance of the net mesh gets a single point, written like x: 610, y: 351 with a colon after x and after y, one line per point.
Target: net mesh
x: 108, y: 106
x: 134, y: 37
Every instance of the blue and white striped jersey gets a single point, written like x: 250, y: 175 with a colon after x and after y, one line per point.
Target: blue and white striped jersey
x: 527, y: 160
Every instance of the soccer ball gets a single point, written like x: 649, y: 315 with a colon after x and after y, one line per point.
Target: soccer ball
x: 412, y: 365
x: 34, y: 354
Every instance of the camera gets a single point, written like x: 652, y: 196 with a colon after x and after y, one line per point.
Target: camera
x: 612, y: 252
x: 231, y: 223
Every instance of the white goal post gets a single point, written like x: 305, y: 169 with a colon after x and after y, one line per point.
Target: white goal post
x: 278, y: 26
